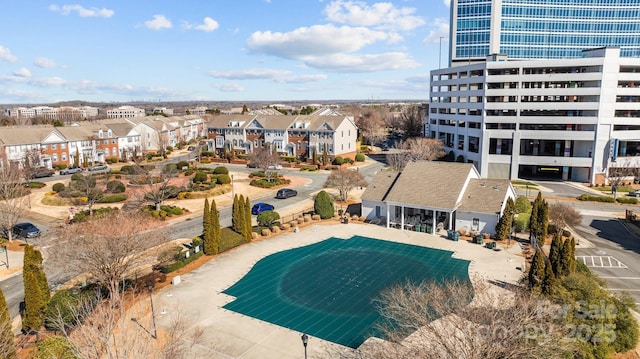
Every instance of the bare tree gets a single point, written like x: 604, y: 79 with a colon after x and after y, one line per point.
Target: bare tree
x: 432, y: 320
x: 31, y: 162
x: 563, y: 216
x: 411, y: 121
x: 158, y: 190
x: 371, y: 126
x: 424, y: 149
x: 107, y: 248
x: 416, y: 149
x: 617, y: 175
x: 345, y: 180
x: 12, y: 200
x: 85, y: 184
x: 137, y: 156
x: 98, y: 329
x: 266, y: 158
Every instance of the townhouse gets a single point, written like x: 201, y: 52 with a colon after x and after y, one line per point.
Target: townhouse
x: 97, y: 141
x: 298, y: 136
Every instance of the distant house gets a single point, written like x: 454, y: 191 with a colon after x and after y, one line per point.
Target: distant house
x: 428, y: 196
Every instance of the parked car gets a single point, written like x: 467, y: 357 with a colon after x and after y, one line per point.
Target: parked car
x: 275, y: 167
x: 252, y: 165
x: 286, y: 193
x: 635, y: 193
x: 261, y: 207
x: 98, y: 168
x: 43, y: 172
x: 191, y: 148
x: 26, y: 230
x: 70, y: 170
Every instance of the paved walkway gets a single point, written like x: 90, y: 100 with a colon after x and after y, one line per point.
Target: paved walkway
x: 232, y: 335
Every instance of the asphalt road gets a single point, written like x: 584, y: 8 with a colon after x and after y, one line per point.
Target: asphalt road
x: 12, y: 289
x: 616, y: 256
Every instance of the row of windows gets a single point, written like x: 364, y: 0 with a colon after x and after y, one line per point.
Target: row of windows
x: 474, y: 9
x: 620, y: 29
x: 554, y: 11
x: 592, y: 3
x: 467, y: 38
x: 465, y: 51
x: 582, y: 41
x: 474, y: 24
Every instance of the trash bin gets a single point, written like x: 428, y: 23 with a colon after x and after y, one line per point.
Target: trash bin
x: 479, y: 239
x: 449, y: 234
x: 490, y: 245
x: 456, y: 236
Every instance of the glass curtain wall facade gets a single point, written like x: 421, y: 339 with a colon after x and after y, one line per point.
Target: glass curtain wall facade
x: 542, y: 29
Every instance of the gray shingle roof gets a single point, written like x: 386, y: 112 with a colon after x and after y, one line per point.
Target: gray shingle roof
x: 484, y: 195
x: 430, y: 184
x: 24, y: 135
x: 379, y: 186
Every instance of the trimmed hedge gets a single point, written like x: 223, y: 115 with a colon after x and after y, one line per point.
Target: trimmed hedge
x: 627, y: 200
x: 36, y: 184
x: 115, y: 187
x: 200, y: 177
x: 230, y: 239
x: 118, y: 197
x: 586, y: 197
x: 359, y: 157
x: 223, y: 179
x: 58, y: 187
x: 181, y: 263
x: 221, y: 170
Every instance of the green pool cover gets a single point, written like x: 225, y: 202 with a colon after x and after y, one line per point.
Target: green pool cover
x: 326, y: 289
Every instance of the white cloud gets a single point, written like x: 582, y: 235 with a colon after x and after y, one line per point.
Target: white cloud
x: 302, y: 79
x: 280, y: 76
x: 447, y: 3
x: 439, y: 29
x: 250, y: 74
x: 45, y: 63
x: 22, y: 72
x: 208, y: 25
x: 382, y: 15
x: 82, y: 11
x: 363, y: 63
x: 229, y: 87
x: 318, y: 40
x: 159, y: 22
x: 5, y: 54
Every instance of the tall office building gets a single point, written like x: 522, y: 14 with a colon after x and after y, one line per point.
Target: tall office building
x: 541, y: 88
x: 541, y: 29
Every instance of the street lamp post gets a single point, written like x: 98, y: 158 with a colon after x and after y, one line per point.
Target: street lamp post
x: 305, y: 340
x: 153, y: 316
x: 6, y: 254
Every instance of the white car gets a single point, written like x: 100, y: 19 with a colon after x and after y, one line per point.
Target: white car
x: 635, y: 193
x: 274, y: 167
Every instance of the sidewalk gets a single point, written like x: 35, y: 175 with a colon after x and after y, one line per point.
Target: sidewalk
x: 14, y: 258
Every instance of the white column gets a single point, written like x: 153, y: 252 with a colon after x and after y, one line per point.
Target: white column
x: 388, y: 205
x: 402, y: 218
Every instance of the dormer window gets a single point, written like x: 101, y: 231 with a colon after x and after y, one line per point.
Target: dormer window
x: 100, y: 134
x: 109, y: 134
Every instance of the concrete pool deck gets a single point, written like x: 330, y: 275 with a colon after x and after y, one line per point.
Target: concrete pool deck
x: 198, y: 298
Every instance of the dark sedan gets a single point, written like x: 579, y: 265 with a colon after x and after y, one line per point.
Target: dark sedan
x: 26, y: 230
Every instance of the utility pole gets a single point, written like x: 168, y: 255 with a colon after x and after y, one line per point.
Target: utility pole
x: 440, y: 54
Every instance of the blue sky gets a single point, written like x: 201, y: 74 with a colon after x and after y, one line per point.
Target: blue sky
x: 243, y: 50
